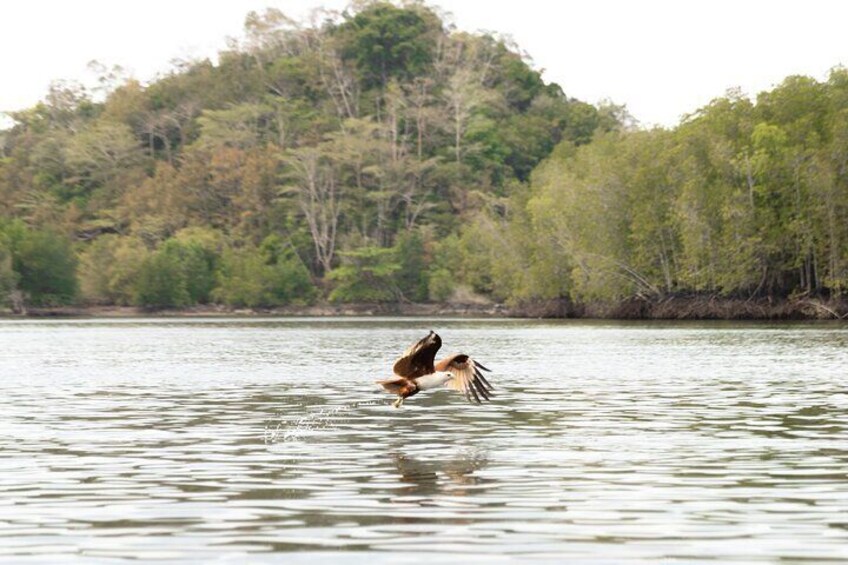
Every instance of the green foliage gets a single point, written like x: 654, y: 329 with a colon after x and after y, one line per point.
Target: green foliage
x: 440, y: 285
x: 240, y: 126
x: 740, y: 200
x: 444, y: 269
x: 367, y: 274
x: 8, y: 276
x: 375, y: 274
x: 243, y: 279
x: 161, y: 282
x: 489, y: 257
x: 270, y: 275
x: 412, y: 276
x: 197, y: 263
x: 181, y: 272
x: 520, y: 83
x: 109, y: 268
x: 387, y: 42
x: 46, y: 266
x: 287, y: 278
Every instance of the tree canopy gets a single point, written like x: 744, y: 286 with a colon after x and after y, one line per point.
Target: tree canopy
x: 379, y: 154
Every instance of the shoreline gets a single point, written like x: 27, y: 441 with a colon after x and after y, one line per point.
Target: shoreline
x: 669, y: 308
x: 315, y: 311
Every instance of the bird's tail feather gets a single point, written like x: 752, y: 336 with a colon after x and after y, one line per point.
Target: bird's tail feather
x: 391, y: 385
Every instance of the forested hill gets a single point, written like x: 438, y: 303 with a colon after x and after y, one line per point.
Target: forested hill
x: 742, y: 201
x: 379, y: 155
x: 339, y: 158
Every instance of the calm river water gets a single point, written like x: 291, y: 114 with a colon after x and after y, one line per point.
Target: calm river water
x: 267, y: 441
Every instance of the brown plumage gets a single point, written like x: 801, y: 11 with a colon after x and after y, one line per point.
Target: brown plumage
x: 417, y: 370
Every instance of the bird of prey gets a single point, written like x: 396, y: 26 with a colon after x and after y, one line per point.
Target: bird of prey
x: 416, y: 370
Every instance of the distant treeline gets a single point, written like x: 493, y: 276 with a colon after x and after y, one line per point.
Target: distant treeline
x: 379, y: 155
x: 741, y: 200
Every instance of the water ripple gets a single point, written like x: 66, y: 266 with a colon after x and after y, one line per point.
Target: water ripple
x: 217, y: 439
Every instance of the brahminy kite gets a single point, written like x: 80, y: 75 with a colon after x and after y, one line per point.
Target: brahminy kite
x: 415, y: 371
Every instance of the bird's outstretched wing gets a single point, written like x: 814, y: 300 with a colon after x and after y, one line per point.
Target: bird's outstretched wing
x: 467, y: 377
x: 417, y: 361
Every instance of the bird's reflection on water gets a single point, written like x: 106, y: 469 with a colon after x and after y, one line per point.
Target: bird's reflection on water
x: 454, y: 475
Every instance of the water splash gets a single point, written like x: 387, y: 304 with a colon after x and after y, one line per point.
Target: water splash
x: 280, y: 429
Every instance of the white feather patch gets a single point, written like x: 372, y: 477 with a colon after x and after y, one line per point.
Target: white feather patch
x: 434, y: 380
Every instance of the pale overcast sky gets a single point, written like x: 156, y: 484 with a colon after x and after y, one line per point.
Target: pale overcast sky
x: 662, y: 58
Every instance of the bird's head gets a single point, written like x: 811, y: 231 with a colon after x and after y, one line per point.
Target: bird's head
x: 445, y: 377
